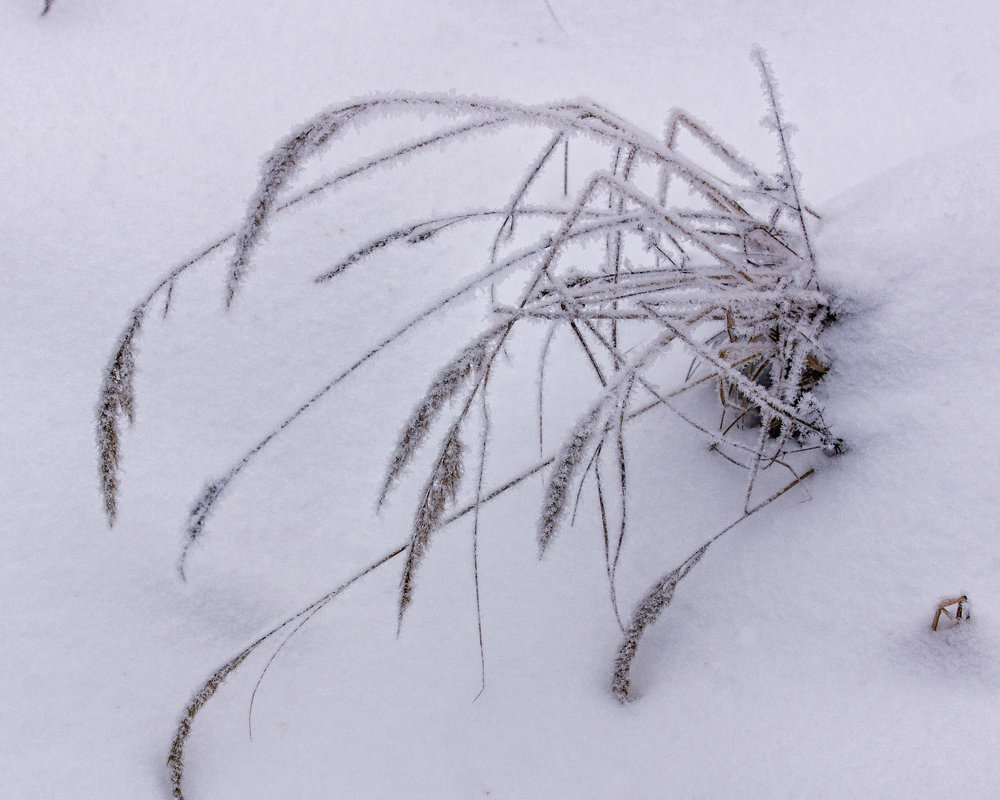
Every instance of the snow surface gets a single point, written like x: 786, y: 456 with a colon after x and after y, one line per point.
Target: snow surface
x: 796, y: 660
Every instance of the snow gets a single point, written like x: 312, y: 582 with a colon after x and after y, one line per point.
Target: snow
x: 796, y: 659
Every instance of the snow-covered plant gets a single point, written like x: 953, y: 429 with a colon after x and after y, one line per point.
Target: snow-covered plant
x: 713, y: 262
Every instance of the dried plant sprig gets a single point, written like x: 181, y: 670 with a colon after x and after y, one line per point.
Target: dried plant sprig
x: 445, y: 479
x: 622, y: 463
x: 506, y: 229
x: 117, y: 403
x: 662, y: 593
x: 423, y: 230
x: 418, y: 232
x: 567, y: 465
x: 542, y: 360
x: 477, y: 504
x: 198, y: 515
x: 645, y: 615
x: 451, y: 379
x: 440, y: 491
x: 280, y: 165
x: 807, y: 274
x: 175, y: 759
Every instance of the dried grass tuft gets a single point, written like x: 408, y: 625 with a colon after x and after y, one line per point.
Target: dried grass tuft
x: 712, y: 261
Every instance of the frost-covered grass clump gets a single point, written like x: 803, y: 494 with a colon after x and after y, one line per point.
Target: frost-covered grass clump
x: 640, y: 255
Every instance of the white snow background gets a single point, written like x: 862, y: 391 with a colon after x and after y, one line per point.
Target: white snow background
x: 796, y: 659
